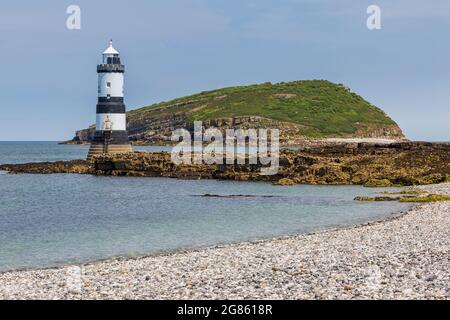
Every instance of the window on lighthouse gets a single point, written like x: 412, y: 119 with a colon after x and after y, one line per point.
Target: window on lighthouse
x: 108, y: 84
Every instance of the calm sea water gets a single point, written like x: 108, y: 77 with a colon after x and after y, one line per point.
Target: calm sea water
x: 48, y: 220
x: 24, y: 151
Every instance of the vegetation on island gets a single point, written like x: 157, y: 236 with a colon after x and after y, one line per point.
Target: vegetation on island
x: 301, y: 110
x: 323, y: 108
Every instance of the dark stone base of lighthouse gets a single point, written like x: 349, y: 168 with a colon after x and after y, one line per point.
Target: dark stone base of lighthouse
x: 109, y: 142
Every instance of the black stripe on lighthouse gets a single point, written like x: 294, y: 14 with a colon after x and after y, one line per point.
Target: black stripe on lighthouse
x: 110, y: 99
x: 110, y: 105
x: 110, y: 108
x: 117, y: 137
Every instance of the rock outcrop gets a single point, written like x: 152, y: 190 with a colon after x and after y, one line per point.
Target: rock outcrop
x: 74, y: 166
x: 408, y: 163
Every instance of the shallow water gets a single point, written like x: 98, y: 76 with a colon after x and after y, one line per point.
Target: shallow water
x: 38, y: 151
x: 47, y: 220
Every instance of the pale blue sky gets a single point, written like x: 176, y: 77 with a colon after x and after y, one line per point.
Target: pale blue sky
x: 172, y: 48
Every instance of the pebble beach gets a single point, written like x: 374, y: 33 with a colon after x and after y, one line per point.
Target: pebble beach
x: 406, y: 256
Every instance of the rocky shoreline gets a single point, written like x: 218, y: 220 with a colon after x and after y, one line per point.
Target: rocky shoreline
x: 370, y: 164
x: 74, y: 166
x: 405, y: 257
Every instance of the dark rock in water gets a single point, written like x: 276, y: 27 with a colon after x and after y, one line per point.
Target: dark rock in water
x: 407, y: 163
x: 208, y: 195
x: 364, y: 198
x: 285, y: 182
x: 74, y: 166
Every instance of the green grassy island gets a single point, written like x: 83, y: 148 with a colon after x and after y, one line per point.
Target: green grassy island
x: 309, y: 109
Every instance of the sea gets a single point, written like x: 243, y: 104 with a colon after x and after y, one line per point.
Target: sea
x: 61, y: 219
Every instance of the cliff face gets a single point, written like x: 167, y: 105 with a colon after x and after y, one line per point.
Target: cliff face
x: 301, y: 110
x: 85, y: 135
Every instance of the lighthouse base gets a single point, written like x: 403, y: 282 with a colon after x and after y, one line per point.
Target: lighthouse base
x: 106, y: 142
x: 101, y: 148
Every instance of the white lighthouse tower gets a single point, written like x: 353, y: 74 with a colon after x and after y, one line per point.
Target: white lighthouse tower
x: 110, y: 128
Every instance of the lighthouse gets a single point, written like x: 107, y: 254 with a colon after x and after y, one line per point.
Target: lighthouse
x: 110, y: 127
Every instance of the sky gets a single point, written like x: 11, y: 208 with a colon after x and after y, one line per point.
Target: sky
x: 173, y: 48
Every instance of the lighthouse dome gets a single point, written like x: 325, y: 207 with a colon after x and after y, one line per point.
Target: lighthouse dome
x: 110, y: 49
